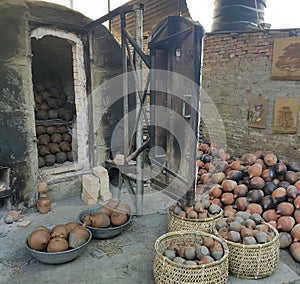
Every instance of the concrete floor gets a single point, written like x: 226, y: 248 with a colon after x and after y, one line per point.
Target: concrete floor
x: 125, y: 259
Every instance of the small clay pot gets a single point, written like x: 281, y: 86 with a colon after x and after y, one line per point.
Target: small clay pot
x: 39, y: 239
x: 43, y: 204
x: 285, y: 239
x: 295, y: 251
x: 285, y: 223
x: 60, y: 231
x: 118, y: 219
x: 99, y: 220
x: 228, y: 185
x: 57, y: 244
x: 285, y: 209
x: 270, y: 215
x: 295, y: 233
x: 78, y: 236
x: 240, y: 190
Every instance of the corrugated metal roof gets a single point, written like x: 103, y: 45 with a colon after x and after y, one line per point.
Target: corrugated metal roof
x: 155, y: 11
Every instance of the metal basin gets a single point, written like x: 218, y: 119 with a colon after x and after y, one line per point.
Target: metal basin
x: 103, y: 233
x: 58, y: 257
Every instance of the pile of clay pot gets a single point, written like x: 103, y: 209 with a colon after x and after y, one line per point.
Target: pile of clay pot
x: 54, y: 145
x: 60, y: 238
x: 52, y: 103
x: 258, y: 183
x: 54, y: 141
x: 114, y: 213
x: 199, y: 210
x: 195, y: 253
x: 245, y: 228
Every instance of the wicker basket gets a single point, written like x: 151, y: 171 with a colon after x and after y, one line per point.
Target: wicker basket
x: 177, y: 223
x: 254, y: 261
x: 169, y: 272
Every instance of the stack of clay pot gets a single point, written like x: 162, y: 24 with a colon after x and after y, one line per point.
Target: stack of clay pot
x: 54, y: 145
x: 258, y: 183
x: 54, y: 141
x: 44, y: 202
x: 52, y: 103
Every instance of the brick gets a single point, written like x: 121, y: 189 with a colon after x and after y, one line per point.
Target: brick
x: 87, y: 199
x: 89, y: 196
x: 104, y: 185
x: 106, y: 196
x: 100, y: 172
x: 90, y: 180
x: 92, y: 191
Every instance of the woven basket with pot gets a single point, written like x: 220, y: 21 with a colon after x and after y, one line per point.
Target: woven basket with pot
x: 169, y: 272
x: 177, y: 223
x: 254, y: 261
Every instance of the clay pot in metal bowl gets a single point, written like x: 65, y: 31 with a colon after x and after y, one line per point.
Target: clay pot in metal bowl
x: 103, y: 233
x: 58, y: 257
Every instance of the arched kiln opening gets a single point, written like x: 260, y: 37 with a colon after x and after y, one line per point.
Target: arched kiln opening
x: 59, y: 81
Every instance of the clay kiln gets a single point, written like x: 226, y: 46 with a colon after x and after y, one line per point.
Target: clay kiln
x: 46, y: 82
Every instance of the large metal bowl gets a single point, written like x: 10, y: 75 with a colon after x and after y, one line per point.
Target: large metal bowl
x: 58, y: 257
x: 103, y: 233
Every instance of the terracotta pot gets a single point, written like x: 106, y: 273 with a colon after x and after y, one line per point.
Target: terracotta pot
x: 255, y: 195
x: 257, y: 183
x: 254, y: 208
x: 279, y: 195
x: 60, y: 231
x: 78, y: 236
x: 42, y: 187
x: 297, y: 215
x: 270, y: 159
x: 295, y: 233
x: 248, y: 159
x: 285, y: 223
x: 39, y: 239
x: 295, y: 251
x: 99, y: 220
x: 44, y: 204
x: 118, y: 219
x: 57, y: 244
x: 285, y: 209
x: 270, y: 215
x: 241, y: 203
x: 228, y: 185
x: 240, y: 190
x: 255, y: 170
x: 285, y: 239
x: 227, y: 198
x: 237, y: 165
x: 71, y: 226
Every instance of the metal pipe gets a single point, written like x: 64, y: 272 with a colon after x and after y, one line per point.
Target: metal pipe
x: 139, y: 132
x: 125, y: 89
x: 109, y: 21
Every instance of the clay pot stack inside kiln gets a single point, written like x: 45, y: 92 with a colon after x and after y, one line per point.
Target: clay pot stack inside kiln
x: 54, y: 113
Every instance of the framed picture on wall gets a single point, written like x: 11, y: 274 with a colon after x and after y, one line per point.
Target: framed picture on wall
x: 257, y: 113
x: 286, y: 59
x: 285, y: 115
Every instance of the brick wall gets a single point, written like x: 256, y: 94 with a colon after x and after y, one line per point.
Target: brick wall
x: 236, y: 68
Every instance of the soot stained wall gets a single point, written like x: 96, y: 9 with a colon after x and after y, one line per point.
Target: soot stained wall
x: 18, y: 148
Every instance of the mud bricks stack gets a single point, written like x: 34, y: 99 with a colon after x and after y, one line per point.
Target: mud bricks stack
x: 95, y: 185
